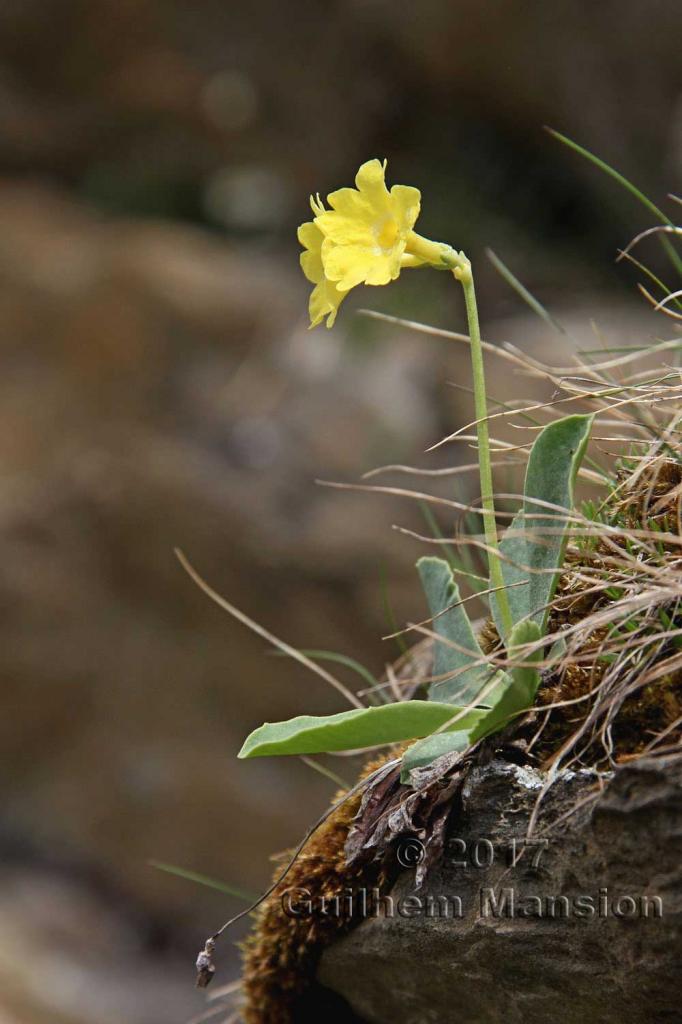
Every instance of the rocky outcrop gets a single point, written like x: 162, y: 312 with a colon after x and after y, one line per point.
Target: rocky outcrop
x: 585, y: 926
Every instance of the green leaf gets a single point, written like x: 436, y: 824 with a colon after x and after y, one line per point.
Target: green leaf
x: 521, y: 683
x: 353, y: 730
x: 515, y: 695
x: 458, y: 655
x: 526, y: 675
x: 535, y: 541
x: 423, y: 752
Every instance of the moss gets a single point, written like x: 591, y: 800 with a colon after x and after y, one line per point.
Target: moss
x: 642, y: 716
x: 281, y: 954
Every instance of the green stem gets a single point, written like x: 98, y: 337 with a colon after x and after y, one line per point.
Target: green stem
x: 443, y: 257
x: 464, y: 275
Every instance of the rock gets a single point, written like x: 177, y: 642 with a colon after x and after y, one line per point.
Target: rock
x: 586, y: 926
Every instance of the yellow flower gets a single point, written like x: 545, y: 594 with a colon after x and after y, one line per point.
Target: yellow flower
x: 325, y: 298
x: 367, y: 229
x: 366, y: 238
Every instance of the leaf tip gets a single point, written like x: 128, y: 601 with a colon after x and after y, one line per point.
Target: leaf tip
x: 250, y: 745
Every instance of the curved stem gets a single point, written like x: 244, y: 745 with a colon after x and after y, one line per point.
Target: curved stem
x: 464, y: 275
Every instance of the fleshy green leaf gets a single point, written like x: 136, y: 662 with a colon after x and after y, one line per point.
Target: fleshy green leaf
x: 352, y: 730
x: 425, y: 751
x: 526, y: 675
x: 515, y: 695
x: 535, y: 542
x: 458, y: 661
x: 521, y: 683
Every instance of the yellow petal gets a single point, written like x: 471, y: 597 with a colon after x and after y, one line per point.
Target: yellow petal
x: 393, y: 261
x: 405, y: 205
x: 347, y: 265
x: 311, y: 265
x: 380, y: 271
x: 325, y: 300
x: 310, y: 236
x: 345, y: 230
x: 350, y: 265
x: 335, y: 299
x: 317, y: 305
x: 350, y: 203
x: 370, y: 181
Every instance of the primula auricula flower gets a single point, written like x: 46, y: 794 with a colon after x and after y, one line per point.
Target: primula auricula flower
x: 365, y: 238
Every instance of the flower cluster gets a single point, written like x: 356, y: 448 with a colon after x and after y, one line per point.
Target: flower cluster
x: 366, y: 237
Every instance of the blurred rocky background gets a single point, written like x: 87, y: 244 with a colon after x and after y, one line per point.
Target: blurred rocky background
x: 160, y: 389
